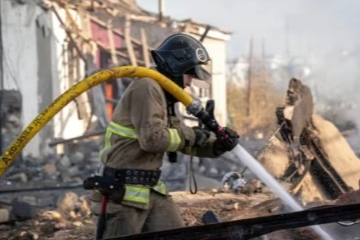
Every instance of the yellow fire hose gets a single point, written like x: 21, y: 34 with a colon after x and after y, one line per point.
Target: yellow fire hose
x: 118, y: 72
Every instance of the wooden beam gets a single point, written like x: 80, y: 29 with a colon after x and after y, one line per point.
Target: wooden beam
x: 114, y: 59
x: 127, y: 37
x: 73, y: 24
x: 68, y: 32
x: 88, y: 32
x: 118, y: 53
x: 205, y: 33
x: 145, y: 48
x: 92, y: 5
x: 116, y: 32
x: 187, y: 27
x: 106, y: 48
x: 86, y: 23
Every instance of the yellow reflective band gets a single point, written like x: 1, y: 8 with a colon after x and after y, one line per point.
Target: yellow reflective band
x: 160, y: 188
x: 118, y: 130
x: 107, y: 141
x: 137, y: 194
x: 107, y: 138
x: 175, y: 140
x: 121, y: 130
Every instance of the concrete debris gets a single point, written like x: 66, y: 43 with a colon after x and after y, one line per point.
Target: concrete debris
x: 69, y: 202
x: 28, y: 235
x: 233, y: 181
x: 18, y: 177
x: 51, y: 215
x: 253, y: 186
x: 10, y: 113
x: 72, y: 167
x: 78, y: 224
x: 4, y: 215
x: 73, y: 171
x: 50, y: 169
x: 64, y: 163
x: 70, y: 213
x: 77, y: 158
x: 23, y: 210
x: 84, y: 203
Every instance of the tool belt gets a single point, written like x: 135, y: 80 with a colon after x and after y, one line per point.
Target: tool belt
x: 134, y: 176
x: 112, y: 182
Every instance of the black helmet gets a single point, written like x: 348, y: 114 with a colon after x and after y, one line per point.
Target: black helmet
x: 181, y: 54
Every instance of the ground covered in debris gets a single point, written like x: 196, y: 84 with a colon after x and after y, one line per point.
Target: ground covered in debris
x: 72, y: 219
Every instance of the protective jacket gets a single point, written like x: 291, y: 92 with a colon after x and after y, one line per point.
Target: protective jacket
x: 141, y: 132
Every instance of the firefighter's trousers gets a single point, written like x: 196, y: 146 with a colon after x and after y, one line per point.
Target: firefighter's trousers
x: 125, y: 220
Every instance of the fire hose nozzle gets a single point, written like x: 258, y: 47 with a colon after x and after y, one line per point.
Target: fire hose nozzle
x: 207, y: 118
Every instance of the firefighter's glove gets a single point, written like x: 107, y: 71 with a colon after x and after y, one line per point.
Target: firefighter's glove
x: 201, y: 136
x: 225, y: 142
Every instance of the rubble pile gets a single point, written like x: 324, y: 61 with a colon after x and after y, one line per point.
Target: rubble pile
x: 72, y: 167
x: 10, y: 114
x: 71, y: 218
x: 308, y: 151
x: 70, y: 212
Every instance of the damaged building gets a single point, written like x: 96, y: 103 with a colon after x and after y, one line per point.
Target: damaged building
x: 58, y: 43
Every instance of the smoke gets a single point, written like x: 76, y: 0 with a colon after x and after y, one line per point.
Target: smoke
x: 325, y: 35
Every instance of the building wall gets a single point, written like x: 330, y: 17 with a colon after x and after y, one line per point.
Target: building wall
x: 20, y: 59
x: 35, y: 62
x: 45, y: 84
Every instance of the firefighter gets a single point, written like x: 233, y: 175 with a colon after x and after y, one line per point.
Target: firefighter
x: 144, y: 127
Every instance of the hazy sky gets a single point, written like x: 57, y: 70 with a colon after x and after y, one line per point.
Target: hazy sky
x: 314, y: 26
x: 326, y: 33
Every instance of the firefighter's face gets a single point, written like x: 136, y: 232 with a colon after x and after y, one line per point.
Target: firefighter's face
x: 187, y: 80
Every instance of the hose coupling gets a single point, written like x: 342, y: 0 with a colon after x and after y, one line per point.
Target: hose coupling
x: 195, y: 107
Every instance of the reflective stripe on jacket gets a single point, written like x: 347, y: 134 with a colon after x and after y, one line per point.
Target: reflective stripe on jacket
x: 137, y: 193
x: 122, y: 131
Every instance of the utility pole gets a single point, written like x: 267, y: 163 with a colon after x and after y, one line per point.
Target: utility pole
x: 287, y: 40
x: 263, y: 55
x: 161, y: 10
x: 249, y: 88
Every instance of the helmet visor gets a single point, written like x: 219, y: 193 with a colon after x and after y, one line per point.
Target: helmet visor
x: 201, y: 77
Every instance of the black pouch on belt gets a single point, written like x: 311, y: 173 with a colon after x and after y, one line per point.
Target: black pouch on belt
x: 108, y: 186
